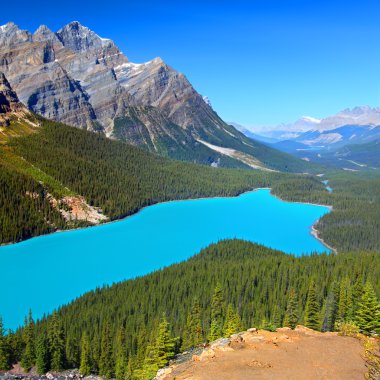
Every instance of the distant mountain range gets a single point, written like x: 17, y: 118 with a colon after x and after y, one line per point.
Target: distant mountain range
x: 359, y: 116
x: 332, y: 139
x: 76, y: 77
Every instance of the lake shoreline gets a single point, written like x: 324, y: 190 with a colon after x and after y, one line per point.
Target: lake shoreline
x: 176, y: 232
x: 313, y: 231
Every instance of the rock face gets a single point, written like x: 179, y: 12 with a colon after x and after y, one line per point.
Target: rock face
x: 9, y: 103
x: 8, y: 98
x: 76, y: 77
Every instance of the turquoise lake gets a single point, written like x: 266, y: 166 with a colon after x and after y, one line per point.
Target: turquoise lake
x: 45, y: 272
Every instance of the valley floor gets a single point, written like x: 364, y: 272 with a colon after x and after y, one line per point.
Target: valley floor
x: 285, y: 354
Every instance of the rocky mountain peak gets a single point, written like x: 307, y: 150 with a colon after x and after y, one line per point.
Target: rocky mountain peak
x: 11, y: 34
x: 77, y: 77
x: 8, y: 27
x: 43, y: 33
x: 79, y: 38
x: 42, y: 29
x: 359, y: 111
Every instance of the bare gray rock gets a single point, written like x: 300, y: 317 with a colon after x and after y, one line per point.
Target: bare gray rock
x: 76, y: 77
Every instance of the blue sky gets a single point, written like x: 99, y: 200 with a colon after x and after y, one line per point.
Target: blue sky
x: 260, y: 62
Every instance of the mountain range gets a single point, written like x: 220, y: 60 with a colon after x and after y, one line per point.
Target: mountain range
x: 359, y: 116
x: 81, y: 79
x: 350, y: 138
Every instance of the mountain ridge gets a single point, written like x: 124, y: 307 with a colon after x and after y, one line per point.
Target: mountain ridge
x: 78, y: 78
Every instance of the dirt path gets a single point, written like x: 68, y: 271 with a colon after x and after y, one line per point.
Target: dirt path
x: 302, y: 354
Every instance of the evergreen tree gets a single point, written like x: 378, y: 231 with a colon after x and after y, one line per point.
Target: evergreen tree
x: 267, y: 325
x: 159, y: 353
x: 232, y: 324
x: 345, y: 301
x: 217, y: 303
x: 331, y: 308
x: 72, y: 353
x: 106, y: 357
x: 28, y: 357
x: 214, y: 333
x: 291, y: 314
x: 312, y: 316
x: 4, y: 349
x: 193, y: 334
x: 357, y: 292
x: 15, y: 346
x: 368, y: 311
x: 165, y: 344
x: 121, y: 367
x: 129, y: 371
x: 141, y: 346
x: 342, y: 302
x: 350, y: 304
x: 121, y: 355
x: 95, y: 351
x: 217, y: 312
x: 187, y: 338
x: 150, y: 365
x: 85, y: 357
x: 276, y: 317
x: 56, y: 337
x: 121, y: 340
x: 42, y: 354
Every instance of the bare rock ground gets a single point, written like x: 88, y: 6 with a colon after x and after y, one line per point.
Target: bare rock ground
x: 286, y: 354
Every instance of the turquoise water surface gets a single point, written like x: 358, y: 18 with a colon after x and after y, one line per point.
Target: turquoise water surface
x: 45, y: 272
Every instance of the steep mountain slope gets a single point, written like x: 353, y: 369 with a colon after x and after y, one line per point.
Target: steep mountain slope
x: 358, y: 155
x: 78, y: 78
x: 10, y: 108
x: 53, y: 176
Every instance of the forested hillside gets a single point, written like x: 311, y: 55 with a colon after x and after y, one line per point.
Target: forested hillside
x: 56, y: 161
x: 24, y: 207
x: 361, y: 154
x: 229, y: 286
x: 354, y: 222
x: 120, y: 179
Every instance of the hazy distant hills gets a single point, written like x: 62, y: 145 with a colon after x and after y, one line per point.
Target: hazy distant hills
x: 332, y: 139
x: 359, y: 116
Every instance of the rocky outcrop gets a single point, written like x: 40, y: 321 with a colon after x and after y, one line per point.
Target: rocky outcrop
x: 18, y: 374
x: 285, y: 354
x: 8, y: 98
x: 9, y: 103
